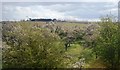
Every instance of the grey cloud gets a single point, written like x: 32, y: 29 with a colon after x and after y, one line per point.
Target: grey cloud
x: 79, y: 10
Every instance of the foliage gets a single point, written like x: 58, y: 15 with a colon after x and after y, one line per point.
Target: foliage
x: 107, y: 45
x: 91, y: 34
x: 28, y: 47
x: 86, y: 54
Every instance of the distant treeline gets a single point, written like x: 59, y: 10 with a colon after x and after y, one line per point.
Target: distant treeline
x: 45, y: 20
x: 48, y: 20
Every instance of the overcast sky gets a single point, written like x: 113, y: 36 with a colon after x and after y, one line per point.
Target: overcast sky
x: 59, y: 0
x: 91, y: 10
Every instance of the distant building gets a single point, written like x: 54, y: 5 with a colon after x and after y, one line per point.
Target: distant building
x: 44, y: 20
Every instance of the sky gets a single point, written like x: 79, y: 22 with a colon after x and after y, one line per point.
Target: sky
x: 59, y: 0
x: 89, y: 10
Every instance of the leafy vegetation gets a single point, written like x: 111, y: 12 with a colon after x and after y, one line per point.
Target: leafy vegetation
x: 31, y: 47
x: 61, y: 45
x: 107, y: 45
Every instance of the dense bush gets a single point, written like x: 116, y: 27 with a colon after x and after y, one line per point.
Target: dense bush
x: 27, y: 46
x: 107, y: 46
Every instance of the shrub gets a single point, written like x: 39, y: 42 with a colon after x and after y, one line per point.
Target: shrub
x: 29, y: 47
x: 108, y: 43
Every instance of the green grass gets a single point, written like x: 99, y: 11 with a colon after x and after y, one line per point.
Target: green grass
x: 74, y: 50
x: 96, y: 63
x: 73, y: 53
